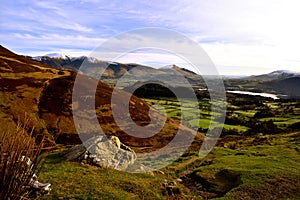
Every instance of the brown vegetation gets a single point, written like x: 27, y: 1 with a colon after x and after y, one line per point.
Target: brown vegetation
x: 45, y: 94
x: 16, y: 170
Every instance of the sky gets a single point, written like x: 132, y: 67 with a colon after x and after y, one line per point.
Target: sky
x: 240, y: 37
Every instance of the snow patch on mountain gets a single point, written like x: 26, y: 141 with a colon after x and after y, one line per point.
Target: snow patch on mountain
x: 285, y: 72
x: 169, y: 67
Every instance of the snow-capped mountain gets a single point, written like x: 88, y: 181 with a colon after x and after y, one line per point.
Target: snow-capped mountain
x: 279, y: 74
x: 284, y: 73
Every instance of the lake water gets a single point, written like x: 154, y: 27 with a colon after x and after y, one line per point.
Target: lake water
x: 273, y: 96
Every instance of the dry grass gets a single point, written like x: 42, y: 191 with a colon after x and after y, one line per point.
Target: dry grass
x: 15, y: 173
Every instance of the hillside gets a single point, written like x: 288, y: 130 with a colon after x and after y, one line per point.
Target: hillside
x: 21, y: 85
x: 287, y: 86
x: 35, y: 91
x: 193, y: 78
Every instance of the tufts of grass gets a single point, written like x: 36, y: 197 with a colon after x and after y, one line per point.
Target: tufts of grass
x: 264, y: 171
x: 77, y: 181
x: 15, y: 169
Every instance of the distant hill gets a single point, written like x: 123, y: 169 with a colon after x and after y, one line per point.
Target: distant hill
x: 279, y: 74
x: 115, y: 70
x: 40, y: 96
x: 281, y: 82
x: 192, y: 77
x: 287, y: 86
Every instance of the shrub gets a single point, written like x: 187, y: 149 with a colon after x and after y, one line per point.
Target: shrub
x: 15, y: 173
x: 265, y: 127
x: 295, y: 126
x: 264, y: 113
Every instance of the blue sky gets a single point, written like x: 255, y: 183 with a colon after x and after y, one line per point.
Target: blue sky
x: 241, y: 37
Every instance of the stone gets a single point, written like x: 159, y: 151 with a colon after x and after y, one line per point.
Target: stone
x: 105, y: 152
x: 75, y: 153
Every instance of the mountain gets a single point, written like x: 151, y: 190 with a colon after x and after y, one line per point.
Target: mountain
x: 40, y: 96
x: 281, y: 82
x: 193, y: 78
x: 113, y: 70
x: 60, y: 61
x: 279, y: 74
x: 285, y: 86
x: 92, y: 66
x: 178, y: 69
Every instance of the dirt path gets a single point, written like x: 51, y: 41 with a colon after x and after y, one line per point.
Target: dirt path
x: 186, y: 163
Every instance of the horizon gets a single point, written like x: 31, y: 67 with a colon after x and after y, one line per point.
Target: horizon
x: 254, y: 38
x: 57, y: 55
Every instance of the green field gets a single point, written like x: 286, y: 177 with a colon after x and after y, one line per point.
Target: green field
x: 249, y: 163
x: 244, y: 115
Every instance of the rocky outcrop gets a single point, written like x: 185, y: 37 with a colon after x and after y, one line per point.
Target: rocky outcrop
x: 103, y: 152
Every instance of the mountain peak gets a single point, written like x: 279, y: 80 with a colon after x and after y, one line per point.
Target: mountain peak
x: 172, y: 66
x: 282, y: 72
x: 278, y: 74
x: 56, y: 55
x: 5, y: 51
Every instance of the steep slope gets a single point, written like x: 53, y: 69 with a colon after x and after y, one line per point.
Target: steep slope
x: 21, y: 85
x: 33, y: 91
x: 287, y: 86
x: 55, y: 107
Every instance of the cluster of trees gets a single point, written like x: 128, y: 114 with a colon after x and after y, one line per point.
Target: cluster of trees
x: 254, y: 123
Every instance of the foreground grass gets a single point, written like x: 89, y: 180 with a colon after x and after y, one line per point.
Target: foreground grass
x: 70, y: 180
x: 256, y: 168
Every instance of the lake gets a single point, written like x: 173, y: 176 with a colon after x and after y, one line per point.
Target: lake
x: 273, y: 96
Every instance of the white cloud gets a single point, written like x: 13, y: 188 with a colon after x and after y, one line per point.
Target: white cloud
x: 40, y: 15
x: 259, y: 34
x: 62, y: 40
x: 73, y: 45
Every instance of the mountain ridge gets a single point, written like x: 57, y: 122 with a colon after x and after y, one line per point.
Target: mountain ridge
x: 277, y: 74
x: 115, y: 70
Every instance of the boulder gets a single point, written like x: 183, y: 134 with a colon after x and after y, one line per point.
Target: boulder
x: 104, y: 152
x: 75, y: 153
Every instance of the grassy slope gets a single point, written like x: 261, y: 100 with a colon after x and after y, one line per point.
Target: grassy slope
x: 268, y: 167
x: 21, y: 85
x: 72, y: 180
x: 265, y: 167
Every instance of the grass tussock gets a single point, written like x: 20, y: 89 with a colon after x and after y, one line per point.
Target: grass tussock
x: 15, y: 169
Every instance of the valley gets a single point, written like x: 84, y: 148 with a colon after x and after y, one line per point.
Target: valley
x: 256, y: 157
